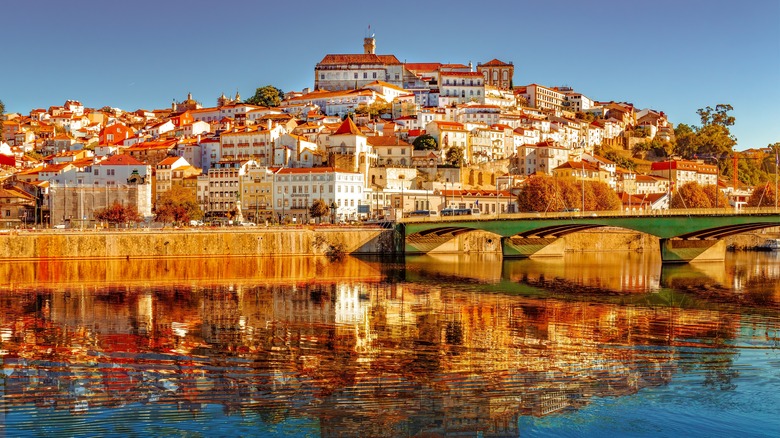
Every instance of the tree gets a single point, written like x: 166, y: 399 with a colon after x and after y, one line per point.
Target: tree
x: 267, y: 96
x: 425, y: 142
x: 455, y: 156
x: 177, y: 205
x: 544, y: 193
x: 691, y: 195
x: 605, y: 199
x: 377, y: 108
x: 538, y: 194
x: 762, y: 196
x: 2, y: 108
x: 718, y: 116
x: 117, y: 213
x: 716, y: 196
x: 621, y: 161
x: 712, y: 138
x: 319, y: 209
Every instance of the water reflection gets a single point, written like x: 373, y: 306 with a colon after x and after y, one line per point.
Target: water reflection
x: 457, y: 346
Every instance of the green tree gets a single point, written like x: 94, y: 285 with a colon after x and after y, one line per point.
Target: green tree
x: 762, y: 196
x: 455, y: 156
x: 2, y: 108
x: 620, y: 160
x: 178, y: 205
x: 691, y: 195
x: 718, y: 116
x: 269, y: 96
x: 319, y: 209
x: 713, y: 138
x: 425, y: 142
x: 117, y: 213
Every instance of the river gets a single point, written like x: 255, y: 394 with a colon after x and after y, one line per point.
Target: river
x: 585, y: 345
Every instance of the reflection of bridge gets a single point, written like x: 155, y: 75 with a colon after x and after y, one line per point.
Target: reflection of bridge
x: 685, y: 235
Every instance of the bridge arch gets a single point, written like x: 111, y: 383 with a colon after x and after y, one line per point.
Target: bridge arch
x: 695, y: 234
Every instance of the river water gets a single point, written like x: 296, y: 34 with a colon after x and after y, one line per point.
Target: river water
x: 586, y: 345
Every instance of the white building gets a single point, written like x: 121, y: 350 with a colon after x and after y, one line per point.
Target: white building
x: 295, y: 189
x: 461, y: 87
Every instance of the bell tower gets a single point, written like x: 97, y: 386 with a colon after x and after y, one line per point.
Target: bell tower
x: 369, y: 43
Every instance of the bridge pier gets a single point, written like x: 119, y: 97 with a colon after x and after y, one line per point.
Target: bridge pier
x: 692, y: 250
x: 527, y: 247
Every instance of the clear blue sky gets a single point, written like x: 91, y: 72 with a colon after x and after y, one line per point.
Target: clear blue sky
x: 671, y: 55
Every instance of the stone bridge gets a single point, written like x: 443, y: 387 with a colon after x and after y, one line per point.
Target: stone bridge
x: 685, y: 235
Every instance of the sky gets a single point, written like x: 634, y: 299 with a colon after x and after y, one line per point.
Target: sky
x: 674, y: 56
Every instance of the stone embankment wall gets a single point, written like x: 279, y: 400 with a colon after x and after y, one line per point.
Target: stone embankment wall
x: 179, y: 243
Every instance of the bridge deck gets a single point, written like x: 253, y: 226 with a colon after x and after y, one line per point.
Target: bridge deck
x: 690, y: 224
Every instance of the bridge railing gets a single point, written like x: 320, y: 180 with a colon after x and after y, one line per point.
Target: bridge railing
x: 746, y: 211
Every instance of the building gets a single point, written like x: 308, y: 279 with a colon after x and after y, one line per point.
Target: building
x: 497, y: 73
x: 348, y: 149
x: 164, y: 175
x: 681, y: 172
x: 257, y: 194
x: 295, y: 189
x: 542, y: 97
x: 390, y: 150
x: 457, y: 87
x: 219, y: 191
x: 353, y: 71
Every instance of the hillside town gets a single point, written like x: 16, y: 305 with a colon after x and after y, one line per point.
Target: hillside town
x: 374, y: 138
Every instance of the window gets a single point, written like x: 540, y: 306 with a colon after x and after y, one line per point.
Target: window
x: 356, y: 76
x: 365, y: 75
x: 322, y: 76
x: 374, y: 75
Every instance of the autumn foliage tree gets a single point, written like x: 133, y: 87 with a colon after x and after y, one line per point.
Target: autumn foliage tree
x: 177, y: 205
x: 694, y: 195
x: 545, y: 193
x: 763, y: 196
x: 117, y: 213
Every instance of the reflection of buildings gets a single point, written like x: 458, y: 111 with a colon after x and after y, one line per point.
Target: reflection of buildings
x: 372, y: 358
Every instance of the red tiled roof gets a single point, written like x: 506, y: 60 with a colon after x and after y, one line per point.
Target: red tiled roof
x: 120, y: 160
x: 168, y: 161
x: 385, y: 140
x: 422, y: 66
x: 494, y: 63
x: 307, y: 170
x: 332, y: 59
x: 462, y: 73
x: 348, y: 127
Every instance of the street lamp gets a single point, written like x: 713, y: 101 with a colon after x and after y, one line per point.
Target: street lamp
x: 582, y: 162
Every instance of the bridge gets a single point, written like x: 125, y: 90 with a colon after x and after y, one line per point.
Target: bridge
x: 684, y: 235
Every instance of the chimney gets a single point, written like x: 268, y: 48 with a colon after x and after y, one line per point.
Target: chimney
x: 269, y: 124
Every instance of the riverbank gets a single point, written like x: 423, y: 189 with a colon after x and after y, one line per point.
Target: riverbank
x: 196, y: 242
